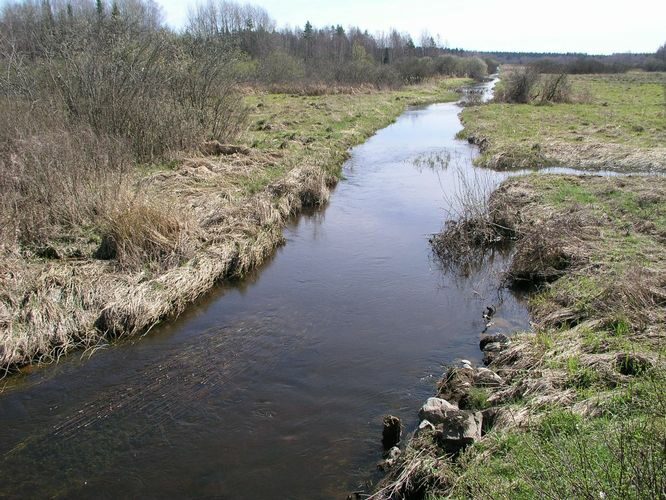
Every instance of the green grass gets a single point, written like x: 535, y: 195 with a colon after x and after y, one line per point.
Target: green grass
x: 594, y: 367
x: 323, y: 128
x: 619, y: 455
x: 608, y: 111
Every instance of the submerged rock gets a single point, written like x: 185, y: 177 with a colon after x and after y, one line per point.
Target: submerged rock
x: 392, y: 431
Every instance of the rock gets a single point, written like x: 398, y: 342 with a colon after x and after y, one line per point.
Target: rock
x: 456, y: 383
x: 391, y: 458
x: 215, y: 148
x: 497, y: 338
x: 487, y: 378
x: 392, y: 431
x: 424, y: 426
x: 465, y: 362
x: 435, y: 409
x: 489, y: 313
x: 492, y: 347
x: 459, y: 429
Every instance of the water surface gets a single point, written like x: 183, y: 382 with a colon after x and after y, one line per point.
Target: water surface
x: 275, y: 387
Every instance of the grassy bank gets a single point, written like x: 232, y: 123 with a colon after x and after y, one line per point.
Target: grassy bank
x: 176, y: 229
x: 576, y: 407
x: 578, y: 410
x: 613, y: 121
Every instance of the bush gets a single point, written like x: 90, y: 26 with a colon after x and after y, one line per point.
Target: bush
x: 281, y: 67
x: 518, y: 86
x: 554, y: 88
x: 474, y: 67
x: 53, y: 178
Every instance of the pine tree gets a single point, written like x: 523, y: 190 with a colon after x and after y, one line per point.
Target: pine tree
x: 99, y: 4
x: 115, y: 11
x: 307, y: 32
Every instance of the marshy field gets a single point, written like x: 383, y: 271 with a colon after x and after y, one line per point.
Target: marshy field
x: 229, y: 252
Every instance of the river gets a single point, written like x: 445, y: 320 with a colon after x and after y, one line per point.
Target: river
x: 275, y: 387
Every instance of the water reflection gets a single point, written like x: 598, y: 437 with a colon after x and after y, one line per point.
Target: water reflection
x: 289, y: 371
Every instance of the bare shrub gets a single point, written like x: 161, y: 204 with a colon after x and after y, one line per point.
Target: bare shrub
x: 554, y: 88
x: 470, y: 229
x: 125, y: 88
x: 54, y: 180
x: 281, y: 67
x: 518, y: 86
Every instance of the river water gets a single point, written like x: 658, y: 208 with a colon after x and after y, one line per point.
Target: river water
x: 275, y: 387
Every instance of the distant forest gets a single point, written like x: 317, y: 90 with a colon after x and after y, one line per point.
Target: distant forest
x: 579, y: 63
x: 115, y: 68
x: 91, y: 88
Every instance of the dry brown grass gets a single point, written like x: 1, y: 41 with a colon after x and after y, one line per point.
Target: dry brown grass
x: 164, y: 257
x: 139, y: 233
x: 598, y: 265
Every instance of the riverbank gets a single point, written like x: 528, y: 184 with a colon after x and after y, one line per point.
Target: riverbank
x: 576, y: 407
x: 612, y: 122
x: 211, y: 217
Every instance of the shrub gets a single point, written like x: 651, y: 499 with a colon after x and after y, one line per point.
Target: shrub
x: 281, y: 67
x: 554, y: 88
x: 518, y: 86
x: 53, y: 178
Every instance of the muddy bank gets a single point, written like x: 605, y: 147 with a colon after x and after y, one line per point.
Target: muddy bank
x: 583, y: 392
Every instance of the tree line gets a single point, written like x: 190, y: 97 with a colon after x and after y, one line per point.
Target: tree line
x: 91, y: 88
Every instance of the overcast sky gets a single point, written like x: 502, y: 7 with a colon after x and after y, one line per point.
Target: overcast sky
x: 514, y: 25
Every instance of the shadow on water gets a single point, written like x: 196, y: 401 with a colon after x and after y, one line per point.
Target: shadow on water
x: 275, y: 386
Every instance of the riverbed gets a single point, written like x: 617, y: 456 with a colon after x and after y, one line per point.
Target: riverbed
x: 275, y: 386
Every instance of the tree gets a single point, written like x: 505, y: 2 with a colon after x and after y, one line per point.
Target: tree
x: 307, y: 36
x: 115, y: 11
x: 307, y: 31
x: 661, y: 53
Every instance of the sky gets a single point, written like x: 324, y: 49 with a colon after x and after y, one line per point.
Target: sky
x: 599, y: 27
